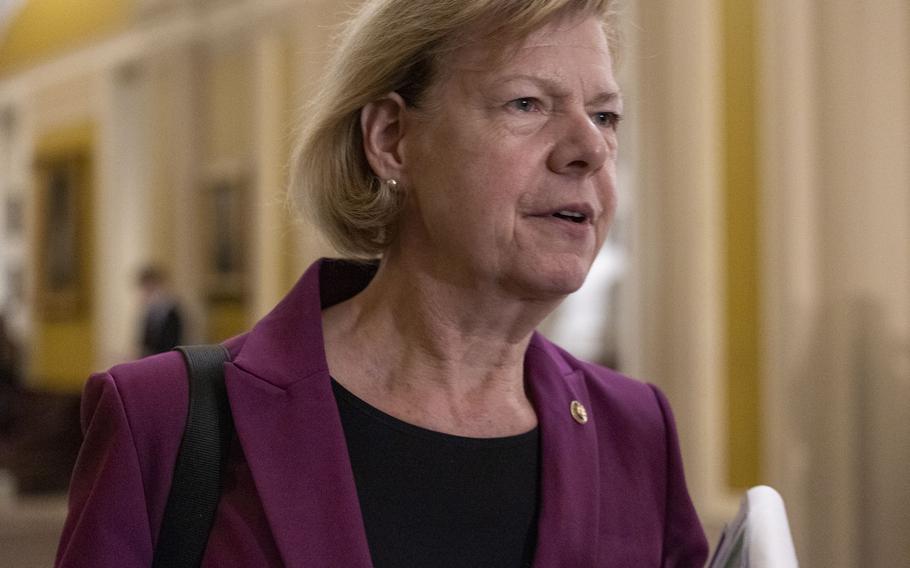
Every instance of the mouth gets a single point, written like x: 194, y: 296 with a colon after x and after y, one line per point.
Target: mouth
x: 572, y: 216
x: 576, y: 213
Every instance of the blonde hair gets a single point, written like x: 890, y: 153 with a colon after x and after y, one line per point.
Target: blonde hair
x: 394, y: 45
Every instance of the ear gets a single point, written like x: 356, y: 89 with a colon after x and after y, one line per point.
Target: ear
x: 382, y: 127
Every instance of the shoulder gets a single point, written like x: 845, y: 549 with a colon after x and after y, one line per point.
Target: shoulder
x: 605, y: 386
x: 155, y: 380
x: 133, y: 417
x: 152, y: 397
x: 632, y: 413
x: 137, y: 411
x: 145, y: 383
x: 638, y: 449
x: 150, y: 388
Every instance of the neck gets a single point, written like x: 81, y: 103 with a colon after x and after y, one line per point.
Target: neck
x: 415, y: 343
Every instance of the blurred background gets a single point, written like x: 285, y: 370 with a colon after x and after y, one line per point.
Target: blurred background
x: 759, y: 269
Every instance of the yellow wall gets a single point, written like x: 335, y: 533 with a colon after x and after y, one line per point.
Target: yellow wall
x: 226, y: 319
x: 63, y: 352
x: 63, y: 355
x: 228, y: 107
x: 44, y: 28
x: 228, y: 138
x: 742, y: 240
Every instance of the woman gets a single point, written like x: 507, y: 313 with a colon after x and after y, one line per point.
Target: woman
x: 404, y: 412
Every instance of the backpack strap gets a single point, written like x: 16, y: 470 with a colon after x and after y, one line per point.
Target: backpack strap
x: 196, y: 484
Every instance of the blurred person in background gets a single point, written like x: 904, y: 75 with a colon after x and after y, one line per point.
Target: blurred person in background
x: 9, y: 376
x: 162, y: 324
x: 398, y: 409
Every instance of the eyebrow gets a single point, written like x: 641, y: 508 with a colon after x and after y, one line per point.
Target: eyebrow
x: 606, y: 97
x: 553, y: 85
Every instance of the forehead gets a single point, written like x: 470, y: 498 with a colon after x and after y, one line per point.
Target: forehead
x: 578, y: 43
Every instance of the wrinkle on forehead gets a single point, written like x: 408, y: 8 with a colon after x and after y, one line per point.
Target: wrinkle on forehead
x: 517, y: 60
x: 488, y: 52
x: 480, y: 56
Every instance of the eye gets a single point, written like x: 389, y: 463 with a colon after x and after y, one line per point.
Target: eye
x: 607, y: 119
x: 525, y: 104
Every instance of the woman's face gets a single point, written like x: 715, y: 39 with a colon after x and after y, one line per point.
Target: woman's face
x: 510, y: 164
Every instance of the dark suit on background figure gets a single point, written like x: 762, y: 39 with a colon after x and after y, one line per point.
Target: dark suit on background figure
x: 162, y: 322
x: 10, y: 360
x: 162, y: 326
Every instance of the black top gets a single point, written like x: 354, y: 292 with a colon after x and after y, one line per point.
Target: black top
x: 435, y: 500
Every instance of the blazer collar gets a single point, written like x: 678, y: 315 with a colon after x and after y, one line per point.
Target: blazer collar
x: 287, y: 344
x: 288, y: 424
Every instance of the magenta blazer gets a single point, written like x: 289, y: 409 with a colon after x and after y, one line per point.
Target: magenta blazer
x: 612, y: 489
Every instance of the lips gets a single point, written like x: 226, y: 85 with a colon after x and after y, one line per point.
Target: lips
x: 577, y: 213
x: 573, y: 216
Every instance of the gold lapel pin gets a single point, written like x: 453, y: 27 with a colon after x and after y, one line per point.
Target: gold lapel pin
x: 579, y: 413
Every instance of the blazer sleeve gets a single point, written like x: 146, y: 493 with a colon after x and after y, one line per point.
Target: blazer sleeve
x: 684, y: 542
x: 108, y: 520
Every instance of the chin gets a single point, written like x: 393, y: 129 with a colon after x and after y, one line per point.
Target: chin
x: 554, y: 279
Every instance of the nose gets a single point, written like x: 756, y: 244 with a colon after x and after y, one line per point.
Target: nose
x: 581, y: 147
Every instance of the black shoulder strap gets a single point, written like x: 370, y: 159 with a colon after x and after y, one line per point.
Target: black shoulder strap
x: 196, y: 485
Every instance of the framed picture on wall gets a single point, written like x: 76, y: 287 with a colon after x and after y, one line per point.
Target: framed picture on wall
x: 13, y: 213
x: 225, y: 201
x: 62, y: 183
x: 15, y: 286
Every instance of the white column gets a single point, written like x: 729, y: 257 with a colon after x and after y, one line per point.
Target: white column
x: 122, y: 228
x: 681, y: 233
x: 270, y: 129
x: 9, y: 248
x: 791, y: 244
x: 21, y: 158
x: 836, y: 105
x: 865, y: 173
x: 183, y: 154
x: 311, y: 51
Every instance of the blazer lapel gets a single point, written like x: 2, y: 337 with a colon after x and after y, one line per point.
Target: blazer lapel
x: 568, y: 525
x: 288, y: 425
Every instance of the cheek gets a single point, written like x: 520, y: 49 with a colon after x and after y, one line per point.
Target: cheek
x: 472, y: 177
x: 489, y: 179
x: 609, y: 200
